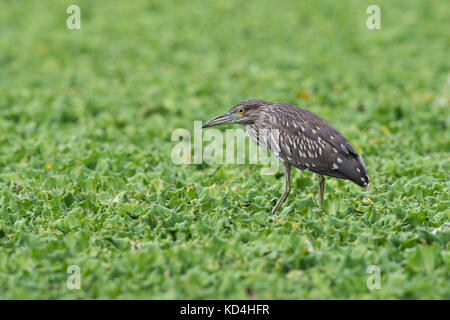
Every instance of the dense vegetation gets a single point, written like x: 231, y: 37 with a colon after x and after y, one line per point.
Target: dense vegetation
x: 86, y: 176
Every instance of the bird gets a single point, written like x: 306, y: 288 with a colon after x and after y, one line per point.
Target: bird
x: 300, y: 139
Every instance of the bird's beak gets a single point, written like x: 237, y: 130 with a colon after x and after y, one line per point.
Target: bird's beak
x: 222, y: 119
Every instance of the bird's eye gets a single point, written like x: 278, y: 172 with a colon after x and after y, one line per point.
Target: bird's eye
x: 241, y: 110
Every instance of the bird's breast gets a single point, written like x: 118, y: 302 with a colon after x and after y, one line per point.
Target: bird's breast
x: 254, y: 135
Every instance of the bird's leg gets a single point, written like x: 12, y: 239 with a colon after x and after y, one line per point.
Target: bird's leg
x: 321, y: 179
x: 287, y: 187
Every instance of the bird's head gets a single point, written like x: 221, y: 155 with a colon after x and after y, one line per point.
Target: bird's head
x: 243, y: 113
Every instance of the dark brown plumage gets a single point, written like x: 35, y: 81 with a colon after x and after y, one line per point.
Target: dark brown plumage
x: 299, y: 138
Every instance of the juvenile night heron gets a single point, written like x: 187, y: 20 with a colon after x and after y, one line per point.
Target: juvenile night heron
x: 299, y: 138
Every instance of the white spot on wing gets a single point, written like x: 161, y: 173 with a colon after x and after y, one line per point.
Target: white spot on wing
x: 339, y: 160
x: 335, y: 166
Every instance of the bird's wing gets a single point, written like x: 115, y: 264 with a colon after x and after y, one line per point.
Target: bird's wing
x: 308, y: 141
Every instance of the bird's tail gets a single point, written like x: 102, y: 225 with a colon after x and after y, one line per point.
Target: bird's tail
x: 358, y: 174
x: 352, y: 169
